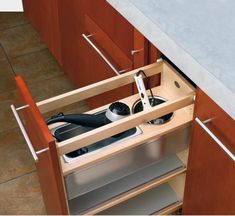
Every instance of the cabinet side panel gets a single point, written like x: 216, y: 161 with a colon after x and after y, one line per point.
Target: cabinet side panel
x: 209, y: 187
x: 44, y: 17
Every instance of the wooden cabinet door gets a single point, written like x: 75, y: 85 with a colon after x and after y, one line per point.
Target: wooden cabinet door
x: 210, y: 179
x: 106, y: 60
x: 77, y: 61
x: 48, y: 167
x: 113, y: 23
x: 43, y: 14
x: 82, y: 63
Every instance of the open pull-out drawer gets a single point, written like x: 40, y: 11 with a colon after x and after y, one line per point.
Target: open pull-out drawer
x: 179, y: 95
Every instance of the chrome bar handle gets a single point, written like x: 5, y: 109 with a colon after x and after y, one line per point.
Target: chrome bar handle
x: 102, y: 55
x: 133, y: 52
x: 31, y: 148
x: 215, y: 138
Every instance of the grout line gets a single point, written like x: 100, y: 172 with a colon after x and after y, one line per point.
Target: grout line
x: 29, y: 53
x: 62, y: 75
x: 11, y: 27
x: 8, y: 60
x: 17, y: 177
x: 10, y: 129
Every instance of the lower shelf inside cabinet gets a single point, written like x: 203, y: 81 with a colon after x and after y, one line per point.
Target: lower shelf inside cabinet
x: 147, y: 203
x: 170, y: 164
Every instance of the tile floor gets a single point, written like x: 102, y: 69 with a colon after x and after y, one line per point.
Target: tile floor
x: 22, y: 52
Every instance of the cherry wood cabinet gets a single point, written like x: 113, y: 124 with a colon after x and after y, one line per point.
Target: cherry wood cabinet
x: 63, y: 24
x: 111, y: 34
x: 123, y: 46
x: 43, y: 15
x: 116, y: 27
x: 210, y: 179
x: 209, y: 187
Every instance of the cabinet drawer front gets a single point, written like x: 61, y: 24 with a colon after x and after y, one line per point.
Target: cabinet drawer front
x: 35, y: 125
x: 106, y: 44
x: 221, y: 124
x: 43, y: 143
x: 107, y: 60
x: 116, y: 27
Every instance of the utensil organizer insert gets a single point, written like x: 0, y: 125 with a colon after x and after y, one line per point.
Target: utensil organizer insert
x: 140, y: 184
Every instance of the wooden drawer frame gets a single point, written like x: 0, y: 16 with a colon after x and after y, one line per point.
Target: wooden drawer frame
x: 180, y: 98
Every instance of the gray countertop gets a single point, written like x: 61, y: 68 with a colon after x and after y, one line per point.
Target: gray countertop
x: 198, y: 36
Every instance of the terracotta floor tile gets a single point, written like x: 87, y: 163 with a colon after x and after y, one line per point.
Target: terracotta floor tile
x: 51, y: 87
x: 7, y: 120
x: 11, y: 19
x: 21, y: 196
x: 20, y: 40
x: 15, y: 157
x: 7, y: 77
x: 36, y: 66
x: 2, y: 54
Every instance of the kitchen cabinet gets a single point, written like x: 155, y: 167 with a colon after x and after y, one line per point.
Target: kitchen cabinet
x: 211, y: 169
x: 111, y: 35
x: 150, y: 164
x: 97, y: 43
x: 112, y: 45
x: 112, y: 23
x: 100, y: 47
x: 44, y: 17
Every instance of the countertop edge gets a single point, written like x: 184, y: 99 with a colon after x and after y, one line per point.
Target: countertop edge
x: 196, y: 72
